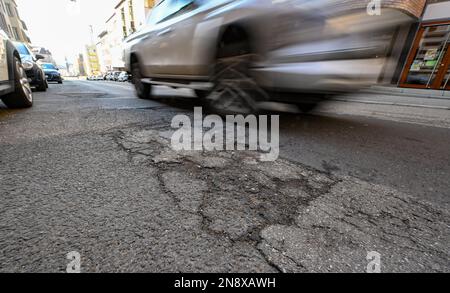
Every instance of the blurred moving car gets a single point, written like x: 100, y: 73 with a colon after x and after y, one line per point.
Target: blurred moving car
x: 234, y: 53
x: 34, y: 71
x: 123, y: 76
x: 52, y: 73
x: 15, y: 89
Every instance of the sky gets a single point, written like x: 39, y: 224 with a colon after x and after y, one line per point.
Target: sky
x: 62, y: 26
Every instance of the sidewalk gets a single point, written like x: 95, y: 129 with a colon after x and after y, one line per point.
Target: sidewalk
x: 382, y: 95
x: 410, y: 92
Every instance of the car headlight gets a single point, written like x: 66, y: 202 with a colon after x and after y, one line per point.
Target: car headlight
x: 27, y: 65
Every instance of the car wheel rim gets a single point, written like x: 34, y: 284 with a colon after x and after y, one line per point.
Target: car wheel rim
x: 24, y: 83
x: 234, y: 90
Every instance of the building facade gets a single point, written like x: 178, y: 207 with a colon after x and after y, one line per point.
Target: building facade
x: 427, y: 65
x: 127, y: 18
x: 11, y: 23
x: 92, y: 60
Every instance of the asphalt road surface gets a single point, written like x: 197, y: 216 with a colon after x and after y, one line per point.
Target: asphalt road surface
x: 89, y: 169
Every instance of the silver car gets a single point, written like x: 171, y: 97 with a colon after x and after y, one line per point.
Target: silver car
x: 239, y: 54
x: 15, y: 88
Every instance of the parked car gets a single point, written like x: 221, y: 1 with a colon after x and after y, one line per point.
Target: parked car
x: 33, y: 69
x: 123, y: 76
x: 108, y: 76
x: 15, y: 89
x: 115, y: 75
x: 235, y: 54
x: 52, y: 73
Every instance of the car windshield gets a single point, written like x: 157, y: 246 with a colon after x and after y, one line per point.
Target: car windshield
x: 48, y: 66
x: 166, y: 9
x: 23, y: 50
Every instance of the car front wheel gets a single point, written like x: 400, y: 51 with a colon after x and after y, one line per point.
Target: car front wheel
x: 234, y: 91
x: 22, y: 97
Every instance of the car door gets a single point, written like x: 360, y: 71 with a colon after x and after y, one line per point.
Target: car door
x: 4, y: 74
x: 153, y: 48
x: 182, y: 38
x: 176, y: 38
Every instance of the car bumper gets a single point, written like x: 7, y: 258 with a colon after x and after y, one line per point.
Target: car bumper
x: 52, y: 77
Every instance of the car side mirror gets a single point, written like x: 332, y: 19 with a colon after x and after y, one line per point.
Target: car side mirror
x: 39, y: 57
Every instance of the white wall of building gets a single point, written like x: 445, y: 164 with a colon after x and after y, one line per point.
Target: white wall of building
x: 109, y: 46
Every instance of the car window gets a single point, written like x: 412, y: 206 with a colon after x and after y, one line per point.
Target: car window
x: 168, y: 9
x: 48, y: 66
x: 22, y: 49
x: 160, y: 12
x: 179, y: 7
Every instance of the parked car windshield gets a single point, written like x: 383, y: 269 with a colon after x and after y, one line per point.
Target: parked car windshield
x: 48, y: 66
x: 23, y: 50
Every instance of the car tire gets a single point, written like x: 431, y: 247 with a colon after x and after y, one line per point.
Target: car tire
x: 143, y: 90
x: 42, y: 87
x: 307, y: 107
x: 201, y: 94
x: 234, y: 89
x: 60, y: 82
x: 22, y: 97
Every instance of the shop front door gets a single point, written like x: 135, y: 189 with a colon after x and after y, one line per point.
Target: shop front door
x: 428, y: 65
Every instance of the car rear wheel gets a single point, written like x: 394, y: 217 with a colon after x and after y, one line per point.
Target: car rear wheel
x: 22, y: 97
x: 234, y: 89
x: 42, y: 87
x: 143, y: 90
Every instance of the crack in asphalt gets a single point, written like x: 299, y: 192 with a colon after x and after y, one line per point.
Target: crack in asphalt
x: 268, y: 205
x: 269, y: 200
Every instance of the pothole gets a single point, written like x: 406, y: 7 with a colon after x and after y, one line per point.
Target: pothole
x: 84, y: 95
x: 239, y: 195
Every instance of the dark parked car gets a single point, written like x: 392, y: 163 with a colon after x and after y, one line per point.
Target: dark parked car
x: 15, y: 90
x: 52, y: 73
x: 34, y: 71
